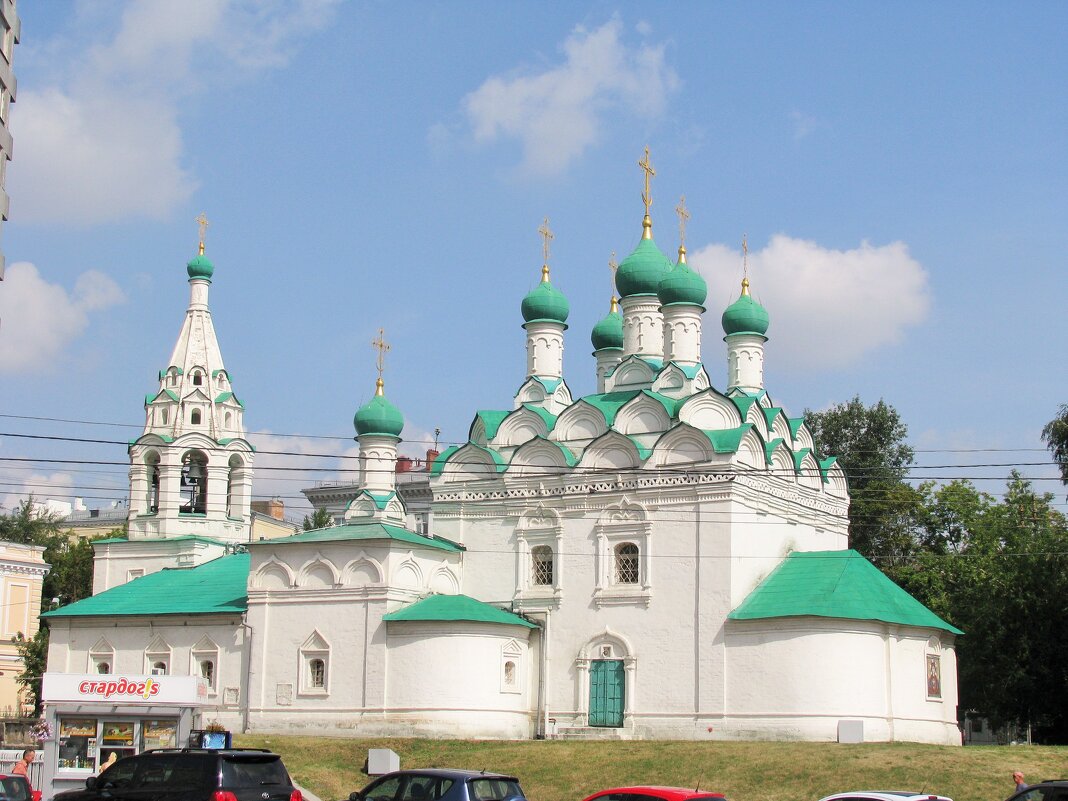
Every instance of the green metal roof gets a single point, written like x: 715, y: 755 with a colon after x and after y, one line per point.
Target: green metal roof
x: 491, y: 421
x: 550, y: 384
x: 609, y: 403
x: 380, y: 500
x: 688, y: 370
x: 743, y: 402
x: 770, y: 447
x: 835, y: 584
x: 643, y: 452
x: 442, y: 460
x: 569, y: 457
x: 456, y: 607
x: 727, y: 440
x: 216, y: 587
x: 795, y: 425
x: 548, y: 417
x: 365, y: 531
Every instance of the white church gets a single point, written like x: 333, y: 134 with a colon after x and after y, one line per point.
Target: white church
x: 665, y: 558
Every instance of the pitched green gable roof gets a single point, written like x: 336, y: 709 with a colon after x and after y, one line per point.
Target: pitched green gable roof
x: 456, y: 607
x: 727, y: 440
x: 744, y: 402
x: 365, y: 531
x: 491, y: 421
x: 544, y: 414
x: 216, y: 587
x: 836, y: 584
x: 609, y: 403
x: 183, y: 538
x: 442, y: 460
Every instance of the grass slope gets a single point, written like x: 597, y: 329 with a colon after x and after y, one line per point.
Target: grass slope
x: 556, y: 770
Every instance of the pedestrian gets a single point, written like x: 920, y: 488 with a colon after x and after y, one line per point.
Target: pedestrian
x: 22, y: 767
x: 1018, y: 777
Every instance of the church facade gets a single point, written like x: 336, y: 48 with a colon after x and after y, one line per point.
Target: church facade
x: 665, y: 558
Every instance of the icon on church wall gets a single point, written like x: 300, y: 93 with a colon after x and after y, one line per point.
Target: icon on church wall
x: 934, y: 676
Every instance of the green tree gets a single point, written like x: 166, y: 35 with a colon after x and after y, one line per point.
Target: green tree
x: 869, y: 442
x: 1055, y: 434
x: 320, y: 518
x: 34, y: 653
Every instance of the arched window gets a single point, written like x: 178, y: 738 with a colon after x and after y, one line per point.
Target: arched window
x: 194, y: 483
x: 194, y: 417
x: 232, y: 476
x: 509, y: 673
x: 103, y: 667
x: 228, y: 420
x: 198, y: 378
x: 164, y: 415
x: 541, y: 563
x: 626, y: 563
x: 317, y: 673
x: 152, y: 461
x: 207, y: 672
x: 159, y: 668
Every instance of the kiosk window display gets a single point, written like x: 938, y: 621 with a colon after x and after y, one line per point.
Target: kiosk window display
x: 85, y: 743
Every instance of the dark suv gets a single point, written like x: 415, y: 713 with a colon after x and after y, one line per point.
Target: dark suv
x: 441, y: 784
x: 1049, y: 790
x: 191, y: 774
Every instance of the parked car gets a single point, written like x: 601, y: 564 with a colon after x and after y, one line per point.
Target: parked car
x: 16, y: 787
x: 1048, y: 790
x: 653, y: 792
x: 884, y: 795
x: 191, y: 774
x: 441, y: 784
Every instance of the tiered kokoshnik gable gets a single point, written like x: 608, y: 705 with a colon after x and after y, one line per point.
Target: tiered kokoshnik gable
x: 191, y: 469
x: 656, y: 405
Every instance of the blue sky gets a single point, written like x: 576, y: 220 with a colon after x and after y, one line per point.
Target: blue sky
x: 899, y: 170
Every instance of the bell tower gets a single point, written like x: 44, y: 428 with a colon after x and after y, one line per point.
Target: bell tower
x: 191, y: 469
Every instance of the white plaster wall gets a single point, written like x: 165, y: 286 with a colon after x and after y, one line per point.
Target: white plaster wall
x: 112, y: 562
x: 71, y: 640
x: 796, y: 678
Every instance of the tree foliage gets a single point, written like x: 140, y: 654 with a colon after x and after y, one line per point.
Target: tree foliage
x: 1055, y: 434
x: 69, y: 579
x: 869, y: 442
x: 320, y: 518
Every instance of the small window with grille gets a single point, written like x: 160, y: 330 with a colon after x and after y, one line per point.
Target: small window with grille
x: 627, y: 563
x: 541, y: 559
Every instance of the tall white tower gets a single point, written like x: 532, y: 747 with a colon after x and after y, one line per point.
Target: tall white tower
x: 191, y: 469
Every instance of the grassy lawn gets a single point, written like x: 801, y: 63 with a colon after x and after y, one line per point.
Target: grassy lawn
x: 555, y: 770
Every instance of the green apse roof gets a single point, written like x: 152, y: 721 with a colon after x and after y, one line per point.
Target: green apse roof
x: 682, y: 286
x: 200, y: 267
x: 378, y: 416
x: 642, y: 271
x: 608, y: 333
x: 836, y: 584
x: 438, y: 608
x: 545, y: 303
x: 745, y: 315
x: 216, y: 587
x: 368, y: 531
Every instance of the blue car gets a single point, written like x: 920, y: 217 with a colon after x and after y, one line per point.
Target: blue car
x: 440, y: 784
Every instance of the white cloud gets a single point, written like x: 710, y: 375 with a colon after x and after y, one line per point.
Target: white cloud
x: 42, y: 486
x: 803, y: 124
x: 326, y: 460
x: 105, y: 144
x: 40, y: 319
x: 828, y: 308
x: 558, y: 113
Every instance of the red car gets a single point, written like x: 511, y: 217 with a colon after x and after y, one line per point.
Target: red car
x: 654, y: 793
x: 16, y: 787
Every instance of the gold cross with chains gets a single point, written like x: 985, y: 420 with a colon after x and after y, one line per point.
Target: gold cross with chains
x: 379, y: 343
x: 613, y: 265
x: 546, y: 236
x: 202, y: 223
x: 684, y: 215
x: 649, y: 173
x: 745, y: 257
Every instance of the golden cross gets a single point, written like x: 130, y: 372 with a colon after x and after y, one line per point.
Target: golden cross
x: 684, y: 215
x: 379, y: 343
x: 613, y: 266
x: 745, y: 257
x: 202, y: 222
x: 649, y: 173
x: 546, y: 236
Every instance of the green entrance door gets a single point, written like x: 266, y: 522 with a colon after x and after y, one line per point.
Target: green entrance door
x: 606, y: 693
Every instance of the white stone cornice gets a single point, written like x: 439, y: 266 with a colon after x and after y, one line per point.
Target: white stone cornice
x: 9, y: 568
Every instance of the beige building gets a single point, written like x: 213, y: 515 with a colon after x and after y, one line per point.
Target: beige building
x: 22, y: 572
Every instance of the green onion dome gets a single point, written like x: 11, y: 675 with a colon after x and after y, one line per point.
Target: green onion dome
x: 682, y: 285
x: 745, y: 315
x: 545, y: 303
x: 608, y: 333
x: 200, y: 267
x: 378, y: 416
x: 643, y: 270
